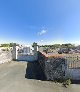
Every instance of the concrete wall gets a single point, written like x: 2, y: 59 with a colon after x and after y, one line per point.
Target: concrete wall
x: 73, y: 74
x: 73, y: 67
x: 24, y: 57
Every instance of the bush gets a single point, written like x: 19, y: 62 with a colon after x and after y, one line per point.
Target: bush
x: 68, y: 82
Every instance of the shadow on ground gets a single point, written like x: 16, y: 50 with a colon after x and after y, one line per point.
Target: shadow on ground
x: 34, y: 71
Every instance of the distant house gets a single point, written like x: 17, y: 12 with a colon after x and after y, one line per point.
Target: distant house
x: 63, y: 50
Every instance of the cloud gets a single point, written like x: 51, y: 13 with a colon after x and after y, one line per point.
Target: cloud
x: 42, y: 32
x: 41, y: 40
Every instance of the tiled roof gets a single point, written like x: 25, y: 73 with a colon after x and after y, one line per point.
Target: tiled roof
x: 61, y: 55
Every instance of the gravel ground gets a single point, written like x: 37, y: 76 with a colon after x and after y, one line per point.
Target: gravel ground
x: 12, y: 79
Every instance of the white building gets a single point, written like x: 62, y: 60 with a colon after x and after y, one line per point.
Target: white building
x: 26, y: 50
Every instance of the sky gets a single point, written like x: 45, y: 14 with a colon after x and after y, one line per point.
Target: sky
x: 41, y: 21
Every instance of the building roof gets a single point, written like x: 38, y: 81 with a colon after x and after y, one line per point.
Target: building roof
x: 61, y: 55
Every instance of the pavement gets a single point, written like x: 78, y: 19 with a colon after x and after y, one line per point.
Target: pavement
x: 12, y: 79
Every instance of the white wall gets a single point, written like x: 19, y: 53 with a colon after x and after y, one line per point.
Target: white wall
x: 25, y: 57
x: 73, y: 74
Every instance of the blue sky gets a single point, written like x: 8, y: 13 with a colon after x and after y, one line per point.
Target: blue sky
x: 42, y: 21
